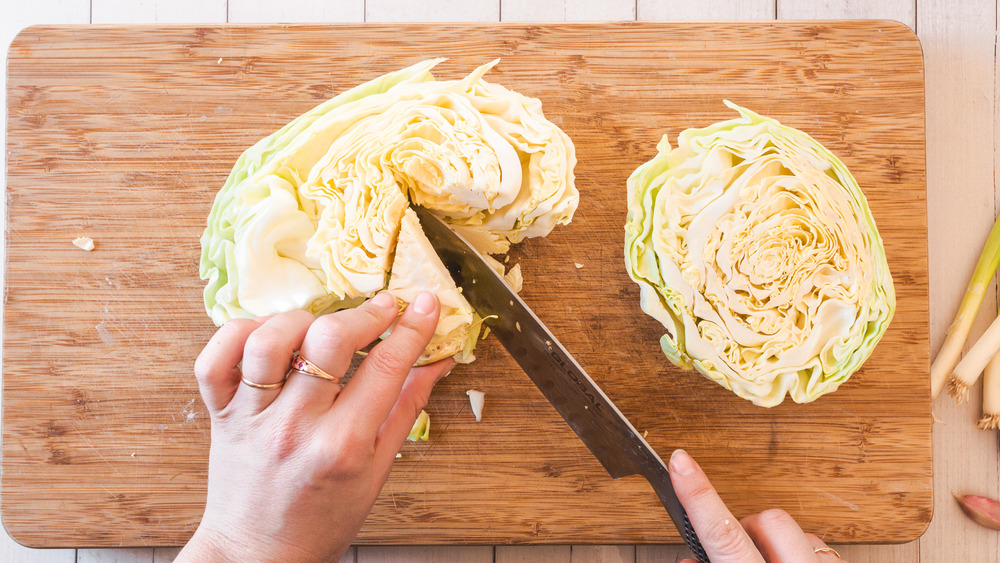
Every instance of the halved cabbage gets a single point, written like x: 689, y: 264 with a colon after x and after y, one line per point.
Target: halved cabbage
x: 755, y: 248
x: 309, y: 216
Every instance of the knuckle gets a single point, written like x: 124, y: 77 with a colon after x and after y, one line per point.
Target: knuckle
x: 274, y: 334
x: 388, y: 361
x: 814, y: 539
x: 775, y: 518
x: 285, y: 438
x: 416, y: 322
x: 205, y: 371
x: 727, y: 538
x: 702, y: 489
x: 331, y: 330
x: 239, y: 324
x: 417, y: 403
x: 206, y: 366
x: 264, y: 348
x: 347, y: 458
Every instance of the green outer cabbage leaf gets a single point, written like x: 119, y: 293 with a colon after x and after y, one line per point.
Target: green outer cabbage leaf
x: 755, y: 248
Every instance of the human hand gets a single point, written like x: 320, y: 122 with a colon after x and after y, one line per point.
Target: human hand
x: 771, y: 536
x: 295, y: 469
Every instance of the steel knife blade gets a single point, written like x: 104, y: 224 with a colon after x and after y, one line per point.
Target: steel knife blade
x: 581, y: 402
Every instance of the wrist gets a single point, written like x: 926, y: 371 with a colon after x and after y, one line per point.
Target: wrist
x: 207, y: 545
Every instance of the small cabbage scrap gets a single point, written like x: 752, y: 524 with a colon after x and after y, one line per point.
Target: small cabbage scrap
x: 755, y: 248
x: 310, y: 216
x: 421, y: 429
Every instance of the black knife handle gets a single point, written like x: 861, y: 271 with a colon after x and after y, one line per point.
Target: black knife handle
x: 692, y: 541
x: 660, y: 480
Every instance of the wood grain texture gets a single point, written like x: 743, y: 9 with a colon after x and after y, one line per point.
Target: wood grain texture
x: 903, y: 11
x: 299, y: 11
x: 160, y: 11
x: 424, y: 554
x: 442, y: 10
x: 129, y: 146
x: 704, y: 10
x: 566, y: 10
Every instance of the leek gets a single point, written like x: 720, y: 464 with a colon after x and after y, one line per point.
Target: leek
x: 991, y: 395
x: 973, y: 363
x: 950, y: 352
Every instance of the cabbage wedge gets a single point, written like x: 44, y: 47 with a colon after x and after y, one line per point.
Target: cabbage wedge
x: 310, y: 216
x: 755, y: 248
x: 417, y: 268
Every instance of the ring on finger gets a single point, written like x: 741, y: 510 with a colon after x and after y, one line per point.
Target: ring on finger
x: 826, y: 549
x: 256, y: 385
x: 302, y: 365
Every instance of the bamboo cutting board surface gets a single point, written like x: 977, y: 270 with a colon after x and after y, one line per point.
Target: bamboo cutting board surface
x: 125, y: 133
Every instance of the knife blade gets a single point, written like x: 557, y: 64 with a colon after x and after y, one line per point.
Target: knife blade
x: 589, y: 412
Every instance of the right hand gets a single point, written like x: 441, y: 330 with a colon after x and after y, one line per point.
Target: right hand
x: 772, y: 536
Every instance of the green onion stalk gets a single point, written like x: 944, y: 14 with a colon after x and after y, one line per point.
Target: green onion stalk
x: 991, y: 395
x: 942, y: 370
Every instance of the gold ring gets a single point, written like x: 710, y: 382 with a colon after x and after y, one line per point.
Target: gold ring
x: 255, y: 385
x: 826, y: 549
x: 302, y: 365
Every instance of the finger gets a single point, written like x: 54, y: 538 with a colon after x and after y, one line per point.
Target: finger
x: 412, y: 399
x: 217, y: 367
x: 374, y: 388
x: 778, y: 536
x: 331, y: 343
x: 267, y: 357
x: 720, y: 533
x: 827, y: 553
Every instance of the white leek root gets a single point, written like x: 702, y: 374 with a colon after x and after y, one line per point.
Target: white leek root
x: 968, y: 370
x: 951, y: 350
x: 991, y: 395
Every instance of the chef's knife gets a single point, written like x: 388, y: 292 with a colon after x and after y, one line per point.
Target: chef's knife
x: 589, y: 412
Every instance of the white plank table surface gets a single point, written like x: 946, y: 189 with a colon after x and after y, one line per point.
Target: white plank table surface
x: 962, y: 88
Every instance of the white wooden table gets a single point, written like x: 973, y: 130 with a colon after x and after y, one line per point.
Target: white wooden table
x: 963, y: 116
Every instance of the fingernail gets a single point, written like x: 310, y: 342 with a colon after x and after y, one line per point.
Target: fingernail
x: 681, y: 463
x: 384, y: 299
x: 424, y: 302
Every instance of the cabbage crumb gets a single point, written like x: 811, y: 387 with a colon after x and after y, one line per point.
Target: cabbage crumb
x: 86, y: 243
x: 477, y: 400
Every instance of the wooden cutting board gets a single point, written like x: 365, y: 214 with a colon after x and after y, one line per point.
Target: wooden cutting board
x: 125, y: 133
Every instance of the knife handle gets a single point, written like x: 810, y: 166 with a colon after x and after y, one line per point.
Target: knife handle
x: 660, y: 481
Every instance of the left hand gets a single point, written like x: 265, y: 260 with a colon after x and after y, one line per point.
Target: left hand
x: 294, y: 468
